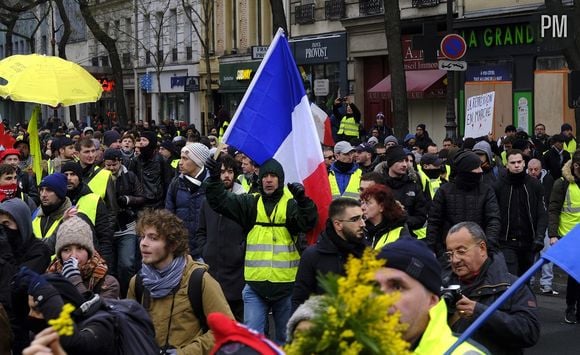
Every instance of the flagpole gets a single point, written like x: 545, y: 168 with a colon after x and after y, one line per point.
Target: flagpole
x: 495, y: 305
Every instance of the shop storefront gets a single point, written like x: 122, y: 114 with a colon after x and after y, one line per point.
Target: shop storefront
x: 235, y: 78
x: 322, y: 61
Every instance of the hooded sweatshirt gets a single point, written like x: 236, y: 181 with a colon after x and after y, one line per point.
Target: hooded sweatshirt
x: 491, y: 172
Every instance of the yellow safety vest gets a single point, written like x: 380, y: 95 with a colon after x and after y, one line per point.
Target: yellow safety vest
x: 430, y: 186
x: 88, y: 204
x: 570, y: 214
x: 504, y: 158
x: 223, y: 130
x: 270, y: 251
x: 388, y: 237
x: 98, y: 183
x: 244, y: 182
x: 348, y: 127
x: 175, y: 163
x: 37, y: 230
x: 352, y: 188
x: 437, y: 337
x: 570, y: 147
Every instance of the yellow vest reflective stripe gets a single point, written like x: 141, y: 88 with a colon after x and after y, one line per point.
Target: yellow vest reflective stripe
x: 37, y: 231
x: 348, y: 127
x: 447, y: 171
x: 389, y: 237
x: 570, y: 215
x: 50, y: 166
x: 175, y: 163
x: 504, y: 158
x: 430, y: 186
x: 437, y: 337
x: 352, y: 189
x: 244, y: 182
x: 98, y: 183
x: 270, y: 251
x: 570, y: 147
x: 87, y: 204
x: 420, y: 233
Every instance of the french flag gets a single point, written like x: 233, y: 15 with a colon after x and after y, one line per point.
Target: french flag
x: 274, y: 120
x: 322, y: 123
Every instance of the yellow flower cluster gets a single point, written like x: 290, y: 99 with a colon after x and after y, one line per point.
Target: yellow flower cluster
x: 64, y: 324
x: 353, y: 317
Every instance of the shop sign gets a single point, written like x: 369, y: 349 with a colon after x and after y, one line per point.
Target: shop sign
x: 414, y: 59
x: 321, y: 87
x: 328, y: 48
x: 500, y: 36
x: 259, y: 52
x: 191, y: 84
x: 178, y: 81
x: 244, y: 74
x: 489, y: 72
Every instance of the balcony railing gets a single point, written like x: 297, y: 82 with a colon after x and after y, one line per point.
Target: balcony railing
x: 371, y: 7
x: 304, y: 14
x: 425, y: 3
x: 334, y: 9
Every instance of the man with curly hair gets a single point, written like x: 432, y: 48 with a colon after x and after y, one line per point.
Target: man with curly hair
x: 165, y: 278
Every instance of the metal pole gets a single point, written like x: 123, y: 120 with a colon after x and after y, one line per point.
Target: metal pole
x: 136, y: 64
x: 450, y: 124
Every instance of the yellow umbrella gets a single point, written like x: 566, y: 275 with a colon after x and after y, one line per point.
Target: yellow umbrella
x: 47, y: 80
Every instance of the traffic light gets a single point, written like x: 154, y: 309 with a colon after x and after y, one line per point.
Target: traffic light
x: 107, y: 84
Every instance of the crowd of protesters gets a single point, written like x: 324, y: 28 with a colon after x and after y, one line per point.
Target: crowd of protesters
x: 143, y: 211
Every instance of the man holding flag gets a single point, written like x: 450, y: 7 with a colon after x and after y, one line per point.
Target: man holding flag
x: 274, y: 127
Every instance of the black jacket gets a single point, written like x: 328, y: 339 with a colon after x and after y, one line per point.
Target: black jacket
x: 128, y: 187
x: 452, y: 205
x: 408, y: 193
x: 515, y: 325
x: 534, y: 208
x: 321, y: 258
x: 552, y: 162
x: 155, y: 175
x: 222, y: 244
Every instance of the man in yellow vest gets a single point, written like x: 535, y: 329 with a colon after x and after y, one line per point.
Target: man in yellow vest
x: 413, y: 272
x: 249, y: 176
x: 97, y: 179
x: 563, y: 215
x: 53, y: 204
x: 93, y: 206
x: 349, y: 118
x: 273, y: 220
x: 569, y: 139
x: 344, y: 174
x: 343, y: 237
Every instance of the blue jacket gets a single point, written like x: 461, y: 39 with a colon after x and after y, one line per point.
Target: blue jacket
x: 342, y: 179
x: 185, y: 200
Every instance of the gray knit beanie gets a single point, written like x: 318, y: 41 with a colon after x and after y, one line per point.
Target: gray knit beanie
x: 304, y: 312
x: 197, y: 152
x: 74, y: 230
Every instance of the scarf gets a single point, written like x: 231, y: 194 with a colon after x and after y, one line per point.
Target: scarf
x: 92, y: 272
x: 161, y: 283
x: 8, y: 191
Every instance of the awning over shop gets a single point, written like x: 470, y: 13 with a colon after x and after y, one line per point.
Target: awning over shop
x: 419, y: 84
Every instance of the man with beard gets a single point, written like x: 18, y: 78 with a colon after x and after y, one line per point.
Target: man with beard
x: 152, y: 171
x: 93, y: 208
x: 96, y: 178
x: 344, y: 174
x: 540, y: 138
x: 53, y: 204
x: 343, y: 236
x: 523, y: 213
x: 222, y: 241
x: 464, y: 198
x: 569, y: 139
x: 491, y: 170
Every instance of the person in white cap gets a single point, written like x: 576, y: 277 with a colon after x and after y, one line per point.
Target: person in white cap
x: 344, y: 174
x: 185, y: 194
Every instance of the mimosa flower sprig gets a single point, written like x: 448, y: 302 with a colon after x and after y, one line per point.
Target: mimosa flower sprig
x: 64, y: 325
x: 354, y: 315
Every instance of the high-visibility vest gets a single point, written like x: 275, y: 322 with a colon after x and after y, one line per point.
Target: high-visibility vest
x: 244, y: 182
x: 37, y: 230
x: 430, y: 186
x: 88, y: 204
x: 98, y: 183
x: 271, y: 254
x: 50, y: 166
x: 348, y: 127
x: 223, y: 128
x: 388, y: 237
x: 174, y: 163
x: 570, y: 214
x: 352, y: 188
x: 438, y: 337
x: 504, y: 158
x: 570, y: 147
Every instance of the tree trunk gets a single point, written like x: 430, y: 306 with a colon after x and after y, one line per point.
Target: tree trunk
x: 397, y: 69
x: 111, y: 47
x: 278, y: 17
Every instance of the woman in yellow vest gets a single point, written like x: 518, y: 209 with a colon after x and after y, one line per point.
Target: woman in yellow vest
x: 385, y: 217
x: 349, y: 119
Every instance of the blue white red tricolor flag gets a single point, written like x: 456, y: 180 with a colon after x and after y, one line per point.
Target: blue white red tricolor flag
x: 274, y: 120
x: 322, y: 124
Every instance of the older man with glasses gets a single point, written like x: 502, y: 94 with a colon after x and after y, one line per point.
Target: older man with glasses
x: 483, y: 278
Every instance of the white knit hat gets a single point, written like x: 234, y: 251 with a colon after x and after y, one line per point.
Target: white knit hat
x: 74, y: 230
x: 197, y: 152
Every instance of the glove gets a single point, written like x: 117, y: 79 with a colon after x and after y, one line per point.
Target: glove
x: 70, y: 268
x: 538, y: 246
x: 214, y: 167
x: 123, y: 201
x: 297, y: 190
x: 23, y: 279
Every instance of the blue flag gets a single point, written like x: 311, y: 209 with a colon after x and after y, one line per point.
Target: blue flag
x: 566, y: 253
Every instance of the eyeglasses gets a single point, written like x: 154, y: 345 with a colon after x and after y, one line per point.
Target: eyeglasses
x: 459, y: 252
x: 352, y: 219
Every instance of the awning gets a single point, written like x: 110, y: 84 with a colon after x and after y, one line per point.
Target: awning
x: 419, y: 82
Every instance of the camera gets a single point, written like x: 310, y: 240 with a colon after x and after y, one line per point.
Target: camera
x: 451, y: 294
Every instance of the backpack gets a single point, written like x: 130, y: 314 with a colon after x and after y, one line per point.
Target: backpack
x: 134, y: 331
x: 194, y: 293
